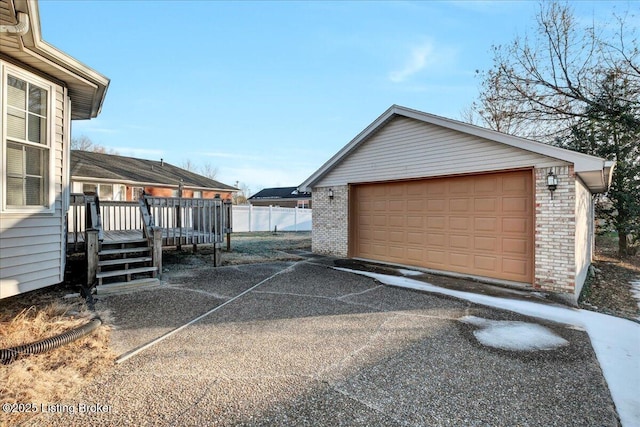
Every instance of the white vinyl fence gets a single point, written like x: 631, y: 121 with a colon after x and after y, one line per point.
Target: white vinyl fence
x: 268, y: 218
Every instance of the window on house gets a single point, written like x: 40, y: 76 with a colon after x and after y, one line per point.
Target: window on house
x: 26, y: 143
x: 105, y: 191
x: 303, y: 204
x: 136, y: 193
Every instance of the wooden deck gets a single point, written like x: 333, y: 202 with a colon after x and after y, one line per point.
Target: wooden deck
x: 170, y: 237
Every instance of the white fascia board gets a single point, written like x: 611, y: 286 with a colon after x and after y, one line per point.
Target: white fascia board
x: 82, y: 74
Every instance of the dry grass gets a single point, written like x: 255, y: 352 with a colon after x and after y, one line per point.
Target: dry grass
x: 246, y: 248
x: 610, y: 290
x: 50, y: 377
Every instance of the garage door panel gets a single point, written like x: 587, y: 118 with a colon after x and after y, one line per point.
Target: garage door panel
x: 515, y: 246
x: 485, y: 243
x: 396, y: 236
x: 458, y: 187
x: 514, y: 225
x: 416, y: 255
x: 459, y: 242
x: 435, y: 187
x: 516, y: 183
x: 436, y: 205
x: 460, y: 223
x: 485, y: 185
x: 415, y: 238
x: 436, y: 223
x: 415, y: 206
x: 516, y: 267
x: 485, y: 204
x: 380, y: 220
x: 397, y: 206
x: 459, y: 259
x: 380, y: 236
x: 486, y: 225
x: 397, y: 252
x: 485, y: 263
x: 396, y: 221
x: 436, y: 239
x: 514, y: 204
x: 459, y: 205
x: 478, y: 224
x: 437, y: 258
x: 415, y: 221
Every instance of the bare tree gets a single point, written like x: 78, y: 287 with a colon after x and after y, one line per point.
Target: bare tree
x: 84, y: 143
x: 241, y: 197
x: 189, y: 165
x: 574, y: 87
x: 209, y: 171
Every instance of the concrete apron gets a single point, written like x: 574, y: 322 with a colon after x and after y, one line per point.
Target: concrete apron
x: 305, y: 344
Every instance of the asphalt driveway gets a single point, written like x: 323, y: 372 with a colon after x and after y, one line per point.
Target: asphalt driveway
x: 300, y: 343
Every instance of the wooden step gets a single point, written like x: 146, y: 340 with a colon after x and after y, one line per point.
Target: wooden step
x: 124, y: 251
x: 120, y: 261
x: 125, y: 242
x: 103, y: 274
x: 133, y: 285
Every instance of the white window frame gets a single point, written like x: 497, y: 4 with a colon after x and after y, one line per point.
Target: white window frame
x: 116, y: 189
x: 49, y: 147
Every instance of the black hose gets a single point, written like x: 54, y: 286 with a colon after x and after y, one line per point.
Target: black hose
x: 8, y: 355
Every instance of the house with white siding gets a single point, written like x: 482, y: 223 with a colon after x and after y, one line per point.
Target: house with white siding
x: 419, y: 190
x: 42, y: 90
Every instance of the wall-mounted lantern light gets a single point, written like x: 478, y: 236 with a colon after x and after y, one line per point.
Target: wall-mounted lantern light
x: 330, y: 194
x: 552, y: 182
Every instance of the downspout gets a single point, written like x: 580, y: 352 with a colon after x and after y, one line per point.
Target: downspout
x: 20, y: 29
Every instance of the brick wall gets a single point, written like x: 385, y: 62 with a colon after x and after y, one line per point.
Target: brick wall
x: 555, y: 222
x: 330, y: 222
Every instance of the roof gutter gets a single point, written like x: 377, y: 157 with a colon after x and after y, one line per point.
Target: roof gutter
x: 18, y: 30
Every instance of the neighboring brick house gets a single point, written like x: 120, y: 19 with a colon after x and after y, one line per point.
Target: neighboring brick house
x: 123, y: 178
x: 284, y: 197
x: 420, y: 190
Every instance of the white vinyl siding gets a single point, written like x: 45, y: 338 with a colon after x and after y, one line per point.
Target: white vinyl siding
x: 32, y: 239
x: 584, y: 234
x: 406, y: 148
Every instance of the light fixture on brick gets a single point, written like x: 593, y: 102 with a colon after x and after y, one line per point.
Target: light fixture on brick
x: 552, y: 182
x: 330, y: 194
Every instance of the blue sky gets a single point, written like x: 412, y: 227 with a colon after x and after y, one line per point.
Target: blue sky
x: 266, y: 92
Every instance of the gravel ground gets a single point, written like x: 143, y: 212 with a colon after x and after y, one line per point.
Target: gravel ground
x: 311, y: 345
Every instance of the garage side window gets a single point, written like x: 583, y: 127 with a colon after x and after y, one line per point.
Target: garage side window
x: 27, y: 145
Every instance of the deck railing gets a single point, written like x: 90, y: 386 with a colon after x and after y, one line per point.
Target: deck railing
x: 189, y: 221
x: 184, y: 221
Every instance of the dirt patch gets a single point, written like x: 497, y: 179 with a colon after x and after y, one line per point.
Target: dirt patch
x: 246, y: 248
x: 47, y: 378
x: 609, y: 291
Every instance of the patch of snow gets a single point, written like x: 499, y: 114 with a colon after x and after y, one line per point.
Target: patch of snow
x: 410, y: 272
x: 515, y: 336
x: 615, y: 341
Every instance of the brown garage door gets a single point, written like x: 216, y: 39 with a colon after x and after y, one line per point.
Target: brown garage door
x: 477, y: 224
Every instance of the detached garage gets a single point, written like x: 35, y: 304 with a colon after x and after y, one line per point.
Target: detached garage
x: 419, y: 190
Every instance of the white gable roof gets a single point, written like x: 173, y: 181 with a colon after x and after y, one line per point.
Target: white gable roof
x: 594, y: 171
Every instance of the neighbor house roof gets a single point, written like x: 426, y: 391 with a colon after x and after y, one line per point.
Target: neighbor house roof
x: 594, y: 171
x: 90, y: 166
x: 21, y: 39
x: 280, y: 193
